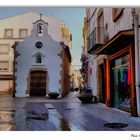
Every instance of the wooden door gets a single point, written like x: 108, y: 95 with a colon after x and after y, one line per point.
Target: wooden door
x: 38, y: 83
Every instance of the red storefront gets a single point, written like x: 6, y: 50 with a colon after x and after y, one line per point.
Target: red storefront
x: 120, y: 72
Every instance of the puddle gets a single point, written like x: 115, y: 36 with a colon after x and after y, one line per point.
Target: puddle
x: 36, y: 116
x: 7, y: 111
x: 59, y: 121
x: 51, y: 108
x: 64, y: 125
x: 7, y: 127
x: 68, y: 109
x: 115, y: 125
x: 7, y: 120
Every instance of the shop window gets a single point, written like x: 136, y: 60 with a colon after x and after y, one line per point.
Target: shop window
x: 8, y: 33
x: 38, y: 58
x: 122, y: 81
x: 4, y: 49
x: 117, y: 13
x: 23, y: 33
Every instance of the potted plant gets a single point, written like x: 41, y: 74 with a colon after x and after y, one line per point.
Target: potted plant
x: 54, y: 95
x: 86, y: 96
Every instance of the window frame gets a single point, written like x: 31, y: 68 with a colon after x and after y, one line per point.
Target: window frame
x: 20, y: 32
x: 5, y: 32
x: 117, y: 14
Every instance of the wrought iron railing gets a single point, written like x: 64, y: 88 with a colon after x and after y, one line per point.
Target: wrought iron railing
x: 96, y: 38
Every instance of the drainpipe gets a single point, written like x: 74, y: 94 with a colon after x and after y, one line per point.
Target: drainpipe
x: 137, y: 58
x: 13, y: 46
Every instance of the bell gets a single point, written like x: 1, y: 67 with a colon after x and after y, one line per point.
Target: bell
x: 40, y: 27
x: 40, y: 32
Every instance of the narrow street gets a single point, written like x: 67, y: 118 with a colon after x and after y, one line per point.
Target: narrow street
x: 67, y: 114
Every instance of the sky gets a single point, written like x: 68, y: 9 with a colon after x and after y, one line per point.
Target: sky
x: 73, y: 18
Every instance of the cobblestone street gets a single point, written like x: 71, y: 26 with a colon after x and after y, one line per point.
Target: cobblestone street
x: 67, y: 114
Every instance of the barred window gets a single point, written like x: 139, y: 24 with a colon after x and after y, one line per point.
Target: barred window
x: 4, y: 66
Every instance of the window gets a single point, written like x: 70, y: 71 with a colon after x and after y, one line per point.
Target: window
x: 38, y: 58
x: 40, y: 29
x: 117, y: 13
x: 4, y: 66
x: 8, y: 33
x: 38, y: 44
x: 23, y: 33
x: 4, y: 49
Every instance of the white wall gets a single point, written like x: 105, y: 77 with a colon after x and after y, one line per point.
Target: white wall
x: 26, y: 21
x: 26, y: 60
x: 92, y: 79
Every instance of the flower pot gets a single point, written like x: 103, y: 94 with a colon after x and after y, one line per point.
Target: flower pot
x: 53, y: 95
x: 86, y: 98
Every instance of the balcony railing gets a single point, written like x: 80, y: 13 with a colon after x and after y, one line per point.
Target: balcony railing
x: 96, y: 39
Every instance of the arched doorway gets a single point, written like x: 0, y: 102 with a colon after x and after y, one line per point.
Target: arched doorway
x: 38, y: 83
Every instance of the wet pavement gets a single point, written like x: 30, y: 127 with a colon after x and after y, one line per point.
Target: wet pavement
x: 7, y: 120
x: 67, y: 114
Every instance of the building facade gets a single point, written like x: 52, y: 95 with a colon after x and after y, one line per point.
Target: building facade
x: 95, y: 62
x: 19, y: 28
x: 76, y: 79
x: 84, y: 55
x: 111, y: 48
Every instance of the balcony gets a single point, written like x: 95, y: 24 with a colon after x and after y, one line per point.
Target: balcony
x: 96, y: 39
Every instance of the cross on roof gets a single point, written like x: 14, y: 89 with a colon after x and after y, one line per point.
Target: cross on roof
x: 40, y: 16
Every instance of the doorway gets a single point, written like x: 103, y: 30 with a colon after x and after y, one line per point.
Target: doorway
x: 101, y: 84
x: 38, y: 83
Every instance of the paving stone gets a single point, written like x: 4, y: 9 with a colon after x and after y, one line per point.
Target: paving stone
x: 66, y: 114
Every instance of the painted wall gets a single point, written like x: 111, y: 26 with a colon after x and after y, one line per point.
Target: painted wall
x: 26, y: 21
x: 26, y: 60
x: 123, y: 23
x: 92, y: 77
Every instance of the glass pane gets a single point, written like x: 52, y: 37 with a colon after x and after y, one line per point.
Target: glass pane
x: 122, y: 83
x: 23, y: 33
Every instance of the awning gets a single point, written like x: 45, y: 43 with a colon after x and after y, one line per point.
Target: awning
x: 121, y: 40
x: 6, y: 77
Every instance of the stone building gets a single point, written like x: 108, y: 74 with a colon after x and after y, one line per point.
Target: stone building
x: 112, y: 57
x: 84, y: 55
x: 20, y: 29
